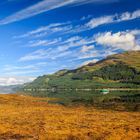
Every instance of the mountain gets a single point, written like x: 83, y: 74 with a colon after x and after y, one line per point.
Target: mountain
x: 9, y: 89
x: 119, y: 70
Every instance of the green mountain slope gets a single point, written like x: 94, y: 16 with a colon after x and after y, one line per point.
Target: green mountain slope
x: 119, y: 70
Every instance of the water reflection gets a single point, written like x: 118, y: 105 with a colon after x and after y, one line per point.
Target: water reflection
x: 87, y: 95
x: 118, y: 100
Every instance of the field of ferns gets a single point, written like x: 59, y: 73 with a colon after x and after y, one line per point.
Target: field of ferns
x: 32, y: 118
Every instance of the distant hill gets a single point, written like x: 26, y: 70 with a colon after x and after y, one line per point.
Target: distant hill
x: 119, y: 70
x: 9, y: 89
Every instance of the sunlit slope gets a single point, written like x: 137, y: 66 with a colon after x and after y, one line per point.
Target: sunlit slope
x: 28, y: 118
x: 131, y: 58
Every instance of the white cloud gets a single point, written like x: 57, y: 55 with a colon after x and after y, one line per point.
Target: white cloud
x: 86, y: 17
x: 21, y: 72
x: 59, y: 29
x: 24, y: 69
x: 61, y: 47
x: 53, y: 28
x: 87, y: 48
x: 50, y: 53
x: 6, y: 81
x: 95, y: 22
x: 39, y: 54
x: 37, y: 43
x: 44, y: 6
x: 76, y: 41
x: 33, y: 10
x: 36, y: 66
x: 111, y: 43
x: 129, y: 16
x: 134, y: 32
x: 78, y: 47
x: 120, y: 40
x: 95, y: 54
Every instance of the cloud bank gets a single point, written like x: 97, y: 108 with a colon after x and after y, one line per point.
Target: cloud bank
x: 120, y: 40
x: 6, y: 81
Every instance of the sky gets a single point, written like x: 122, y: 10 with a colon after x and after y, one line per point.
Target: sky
x: 40, y: 37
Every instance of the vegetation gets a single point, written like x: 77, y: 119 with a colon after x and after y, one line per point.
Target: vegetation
x: 114, y: 72
x: 120, y: 70
x: 30, y: 118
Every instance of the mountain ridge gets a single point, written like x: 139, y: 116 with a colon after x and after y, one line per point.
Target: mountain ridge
x: 122, y: 69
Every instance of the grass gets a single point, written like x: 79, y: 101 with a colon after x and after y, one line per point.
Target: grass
x: 32, y: 118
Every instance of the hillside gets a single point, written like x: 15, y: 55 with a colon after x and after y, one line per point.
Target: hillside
x: 130, y: 58
x: 119, y: 70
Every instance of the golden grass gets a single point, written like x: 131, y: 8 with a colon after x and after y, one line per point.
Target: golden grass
x: 30, y: 118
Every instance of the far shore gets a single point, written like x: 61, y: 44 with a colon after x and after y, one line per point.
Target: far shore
x: 86, y: 89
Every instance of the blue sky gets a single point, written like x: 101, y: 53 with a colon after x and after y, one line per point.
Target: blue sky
x: 42, y: 36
